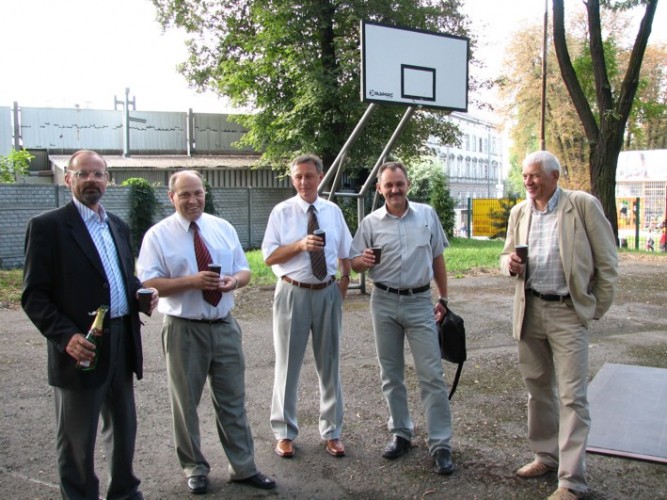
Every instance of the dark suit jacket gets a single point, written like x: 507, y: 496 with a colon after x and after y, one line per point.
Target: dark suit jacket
x: 64, y: 280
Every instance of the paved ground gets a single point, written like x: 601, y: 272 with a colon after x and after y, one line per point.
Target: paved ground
x: 489, y: 407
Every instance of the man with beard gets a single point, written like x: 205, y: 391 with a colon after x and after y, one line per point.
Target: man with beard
x: 412, y: 242
x: 78, y: 258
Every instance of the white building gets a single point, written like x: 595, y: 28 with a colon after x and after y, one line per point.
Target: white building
x: 475, y: 168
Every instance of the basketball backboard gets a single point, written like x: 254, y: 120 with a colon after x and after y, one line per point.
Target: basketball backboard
x: 413, y: 67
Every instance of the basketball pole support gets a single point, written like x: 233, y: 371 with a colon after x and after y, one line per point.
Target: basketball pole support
x: 338, y: 167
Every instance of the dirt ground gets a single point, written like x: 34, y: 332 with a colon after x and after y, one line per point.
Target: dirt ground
x: 489, y: 408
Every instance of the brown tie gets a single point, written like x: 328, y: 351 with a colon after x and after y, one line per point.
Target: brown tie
x: 203, y: 260
x: 317, y: 259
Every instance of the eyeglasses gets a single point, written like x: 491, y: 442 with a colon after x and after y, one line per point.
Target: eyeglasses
x: 84, y: 174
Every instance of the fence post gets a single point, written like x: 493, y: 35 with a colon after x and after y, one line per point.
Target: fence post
x: 469, y: 231
x: 637, y: 222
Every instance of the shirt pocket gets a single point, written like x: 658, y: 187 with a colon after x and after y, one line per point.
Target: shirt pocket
x: 419, y: 236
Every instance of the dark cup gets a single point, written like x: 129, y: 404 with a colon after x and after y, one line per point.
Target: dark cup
x: 145, y: 296
x: 521, y: 251
x: 377, y: 252
x: 215, y: 268
x: 322, y: 234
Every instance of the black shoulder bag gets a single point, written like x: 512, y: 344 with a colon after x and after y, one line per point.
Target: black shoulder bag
x: 452, y: 338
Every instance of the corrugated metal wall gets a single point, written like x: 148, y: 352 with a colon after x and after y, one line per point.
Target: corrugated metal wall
x: 65, y: 130
x: 215, y: 133
x: 5, y: 130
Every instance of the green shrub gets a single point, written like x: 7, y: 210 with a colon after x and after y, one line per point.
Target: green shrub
x: 13, y: 164
x: 143, y: 207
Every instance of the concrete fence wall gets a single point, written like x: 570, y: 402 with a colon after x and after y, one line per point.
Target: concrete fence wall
x: 247, y: 209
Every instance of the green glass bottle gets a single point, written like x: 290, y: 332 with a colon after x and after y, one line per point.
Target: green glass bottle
x: 95, y: 336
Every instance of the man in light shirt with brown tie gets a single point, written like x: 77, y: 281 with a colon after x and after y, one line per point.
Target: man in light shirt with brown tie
x: 200, y: 337
x: 307, y: 299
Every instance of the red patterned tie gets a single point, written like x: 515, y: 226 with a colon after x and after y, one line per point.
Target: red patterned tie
x: 203, y: 260
x: 317, y: 260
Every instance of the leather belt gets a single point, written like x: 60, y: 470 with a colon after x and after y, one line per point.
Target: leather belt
x: 207, y: 321
x: 548, y: 297
x: 403, y: 291
x: 119, y: 319
x: 311, y: 286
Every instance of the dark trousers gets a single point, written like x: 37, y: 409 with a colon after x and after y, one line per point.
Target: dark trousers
x: 77, y: 418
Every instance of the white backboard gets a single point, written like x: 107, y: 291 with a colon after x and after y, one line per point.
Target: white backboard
x: 413, y: 67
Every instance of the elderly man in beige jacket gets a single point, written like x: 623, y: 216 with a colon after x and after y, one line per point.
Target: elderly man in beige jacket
x: 566, y: 280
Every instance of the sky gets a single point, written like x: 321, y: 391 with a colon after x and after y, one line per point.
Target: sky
x: 67, y: 53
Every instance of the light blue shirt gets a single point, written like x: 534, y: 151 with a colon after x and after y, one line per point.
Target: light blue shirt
x: 409, y: 245
x: 98, y: 227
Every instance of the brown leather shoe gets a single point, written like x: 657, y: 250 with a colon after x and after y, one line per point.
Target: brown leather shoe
x: 285, y: 448
x: 565, y: 494
x: 534, y: 469
x: 335, y: 448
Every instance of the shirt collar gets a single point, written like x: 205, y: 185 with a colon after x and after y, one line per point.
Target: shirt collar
x: 88, y: 214
x: 304, y: 205
x: 551, y: 204
x: 383, y: 212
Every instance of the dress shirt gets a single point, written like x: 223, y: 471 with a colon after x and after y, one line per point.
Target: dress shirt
x: 545, y: 269
x: 409, y: 245
x: 168, y: 252
x: 98, y: 227
x: 288, y: 223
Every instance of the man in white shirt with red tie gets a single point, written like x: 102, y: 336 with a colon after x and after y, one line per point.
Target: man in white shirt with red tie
x: 200, y: 337
x: 308, y: 299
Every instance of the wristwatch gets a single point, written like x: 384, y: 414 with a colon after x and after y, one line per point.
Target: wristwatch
x: 443, y: 301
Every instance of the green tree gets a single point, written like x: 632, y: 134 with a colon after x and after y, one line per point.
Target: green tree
x: 500, y: 218
x: 428, y: 184
x: 296, y: 65
x: 604, y: 119
x: 13, y: 164
x: 143, y: 208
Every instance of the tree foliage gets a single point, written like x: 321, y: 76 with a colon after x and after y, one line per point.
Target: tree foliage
x: 144, y: 205
x: 428, y: 184
x: 13, y: 164
x: 296, y: 66
x: 603, y: 118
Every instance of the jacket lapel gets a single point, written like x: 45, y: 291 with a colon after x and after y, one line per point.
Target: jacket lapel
x: 82, y: 238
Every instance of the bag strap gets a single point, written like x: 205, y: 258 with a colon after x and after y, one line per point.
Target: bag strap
x: 456, y: 380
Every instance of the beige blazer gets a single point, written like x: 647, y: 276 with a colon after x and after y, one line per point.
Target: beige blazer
x: 587, y: 250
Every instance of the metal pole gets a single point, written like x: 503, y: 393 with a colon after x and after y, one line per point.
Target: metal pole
x: 545, y: 37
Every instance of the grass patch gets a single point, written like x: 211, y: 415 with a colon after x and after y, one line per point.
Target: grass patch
x: 11, y: 283
x: 468, y: 254
x: 462, y: 256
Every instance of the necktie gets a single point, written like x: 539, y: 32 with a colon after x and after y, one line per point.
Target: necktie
x: 203, y: 260
x: 317, y: 259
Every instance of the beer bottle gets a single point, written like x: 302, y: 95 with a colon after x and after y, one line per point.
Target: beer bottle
x: 95, y: 336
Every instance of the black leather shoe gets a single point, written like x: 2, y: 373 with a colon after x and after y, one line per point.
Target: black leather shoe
x: 198, y: 485
x: 397, y: 448
x: 259, y: 480
x: 443, y: 462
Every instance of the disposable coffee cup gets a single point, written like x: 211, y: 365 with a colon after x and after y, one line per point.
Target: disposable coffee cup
x: 145, y: 296
x: 521, y: 251
x: 377, y: 252
x: 322, y: 234
x: 215, y: 268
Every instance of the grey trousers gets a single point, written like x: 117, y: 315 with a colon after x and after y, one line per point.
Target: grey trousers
x: 296, y: 313
x: 77, y: 419
x: 400, y: 317
x: 196, y: 352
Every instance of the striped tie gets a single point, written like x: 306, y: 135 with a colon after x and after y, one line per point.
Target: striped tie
x: 203, y: 260
x: 317, y: 259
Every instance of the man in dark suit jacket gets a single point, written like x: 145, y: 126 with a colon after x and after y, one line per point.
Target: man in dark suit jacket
x: 78, y: 258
